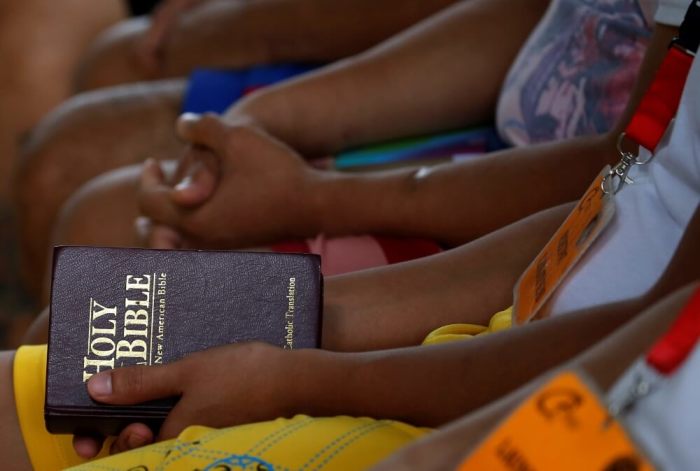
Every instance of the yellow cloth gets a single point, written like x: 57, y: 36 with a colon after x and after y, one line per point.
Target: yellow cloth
x: 46, y: 451
x: 450, y: 333
x: 327, y: 443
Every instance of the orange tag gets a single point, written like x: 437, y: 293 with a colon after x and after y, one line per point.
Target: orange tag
x: 581, y: 228
x: 563, y: 426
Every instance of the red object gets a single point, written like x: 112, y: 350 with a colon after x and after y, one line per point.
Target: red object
x: 399, y: 250
x: 671, y: 351
x: 660, y: 102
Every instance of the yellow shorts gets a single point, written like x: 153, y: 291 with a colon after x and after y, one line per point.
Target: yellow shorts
x: 302, y: 442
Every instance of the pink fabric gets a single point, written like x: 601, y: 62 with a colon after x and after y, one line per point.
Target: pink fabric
x: 347, y: 254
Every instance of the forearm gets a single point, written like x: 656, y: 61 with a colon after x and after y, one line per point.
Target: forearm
x: 400, y: 304
x: 432, y: 385
x: 444, y: 72
x: 457, y: 202
x: 604, y: 363
x: 240, y: 33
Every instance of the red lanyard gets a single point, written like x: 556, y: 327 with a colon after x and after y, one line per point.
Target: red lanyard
x: 674, y: 347
x: 660, y: 102
x: 648, y: 125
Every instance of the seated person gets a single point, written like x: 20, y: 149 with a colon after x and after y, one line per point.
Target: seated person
x: 401, y: 303
x: 427, y: 206
x: 213, y: 33
x: 661, y: 423
x: 183, y: 35
x: 447, y: 380
x: 374, y: 109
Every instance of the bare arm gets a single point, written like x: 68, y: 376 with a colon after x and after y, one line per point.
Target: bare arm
x: 457, y: 202
x: 604, y: 362
x: 451, y: 203
x: 400, y: 304
x: 444, y: 72
x: 242, y: 33
x: 421, y: 385
x: 467, y: 284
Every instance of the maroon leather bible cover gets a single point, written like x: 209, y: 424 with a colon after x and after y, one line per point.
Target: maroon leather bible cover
x: 113, y: 307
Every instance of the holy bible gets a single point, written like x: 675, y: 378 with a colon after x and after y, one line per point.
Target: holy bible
x: 114, y: 307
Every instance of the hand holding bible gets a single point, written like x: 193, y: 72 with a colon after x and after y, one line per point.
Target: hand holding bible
x: 219, y: 387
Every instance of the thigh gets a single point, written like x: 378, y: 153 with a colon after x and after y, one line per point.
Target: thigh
x: 331, y: 443
x: 88, y: 135
x: 12, y: 449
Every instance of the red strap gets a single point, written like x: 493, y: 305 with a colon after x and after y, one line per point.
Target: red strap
x: 660, y: 103
x: 671, y: 351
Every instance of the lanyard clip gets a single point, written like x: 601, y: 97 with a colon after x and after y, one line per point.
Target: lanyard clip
x: 640, y: 388
x: 617, y: 176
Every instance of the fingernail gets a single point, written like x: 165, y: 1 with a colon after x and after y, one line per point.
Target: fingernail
x: 184, y: 183
x: 100, y: 384
x: 142, y: 225
x: 189, y: 117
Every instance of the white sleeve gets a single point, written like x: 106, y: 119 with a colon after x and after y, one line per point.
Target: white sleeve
x: 671, y: 12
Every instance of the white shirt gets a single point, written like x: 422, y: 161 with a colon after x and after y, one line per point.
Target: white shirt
x: 652, y: 213
x: 666, y: 423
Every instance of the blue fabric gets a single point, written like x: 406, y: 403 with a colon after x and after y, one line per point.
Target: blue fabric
x: 211, y: 90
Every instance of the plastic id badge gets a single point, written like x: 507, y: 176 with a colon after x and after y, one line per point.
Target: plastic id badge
x: 576, y: 235
x: 563, y: 426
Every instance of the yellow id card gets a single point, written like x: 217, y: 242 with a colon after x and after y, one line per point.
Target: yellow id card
x: 563, y: 426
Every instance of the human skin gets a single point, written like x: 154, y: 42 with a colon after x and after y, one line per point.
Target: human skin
x: 41, y: 39
x: 392, y: 203
x: 464, y: 285
x: 451, y: 203
x: 487, y: 355
x: 603, y: 364
x: 346, y: 382
x: 53, y: 162
x: 399, y: 306
x: 184, y: 34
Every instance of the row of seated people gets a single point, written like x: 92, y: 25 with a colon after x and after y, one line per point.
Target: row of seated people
x: 463, y: 230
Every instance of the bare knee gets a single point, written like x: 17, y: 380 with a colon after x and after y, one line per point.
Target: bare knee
x: 102, y: 211
x: 110, y: 60
x: 88, y: 135
x: 95, y: 132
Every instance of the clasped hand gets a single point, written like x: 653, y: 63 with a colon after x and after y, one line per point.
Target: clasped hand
x: 235, y: 187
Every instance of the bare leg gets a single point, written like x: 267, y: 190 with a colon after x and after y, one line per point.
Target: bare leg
x: 85, y: 137
x: 604, y: 362
x: 14, y: 454
x: 102, y: 211
x: 110, y: 60
x: 42, y: 41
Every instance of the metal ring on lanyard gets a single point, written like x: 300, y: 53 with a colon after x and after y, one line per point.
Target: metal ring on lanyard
x: 617, y: 176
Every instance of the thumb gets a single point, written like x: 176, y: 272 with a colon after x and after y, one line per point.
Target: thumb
x: 134, y: 384
x: 164, y: 237
x: 206, y: 130
x: 196, y: 188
